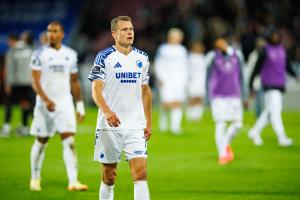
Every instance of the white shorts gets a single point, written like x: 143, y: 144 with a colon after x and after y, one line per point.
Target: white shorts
x: 172, y: 92
x: 196, y: 90
x: 109, y: 145
x: 227, y: 109
x: 45, y: 123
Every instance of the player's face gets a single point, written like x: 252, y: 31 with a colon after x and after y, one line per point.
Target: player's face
x: 124, y: 34
x: 221, y: 44
x: 55, y: 34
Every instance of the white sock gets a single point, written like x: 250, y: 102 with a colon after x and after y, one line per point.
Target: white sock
x: 106, y: 192
x: 163, y: 120
x: 198, y: 112
x: 141, y: 190
x: 261, y: 122
x: 70, y: 158
x: 231, y: 131
x: 176, y: 117
x: 220, y: 138
x: 277, y: 125
x: 37, y: 155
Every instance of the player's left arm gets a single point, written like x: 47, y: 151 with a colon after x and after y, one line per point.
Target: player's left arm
x: 147, y: 99
x: 76, y: 91
x: 290, y: 70
x: 147, y: 103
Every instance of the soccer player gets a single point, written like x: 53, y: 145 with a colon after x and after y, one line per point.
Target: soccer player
x: 171, y: 70
x: 18, y: 81
x: 54, y: 76
x: 271, y: 65
x: 196, y: 81
x: 225, y: 88
x: 120, y: 89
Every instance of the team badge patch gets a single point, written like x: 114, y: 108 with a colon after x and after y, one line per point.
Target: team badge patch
x: 139, y: 64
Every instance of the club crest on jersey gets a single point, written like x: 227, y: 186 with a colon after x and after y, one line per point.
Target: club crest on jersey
x: 139, y: 64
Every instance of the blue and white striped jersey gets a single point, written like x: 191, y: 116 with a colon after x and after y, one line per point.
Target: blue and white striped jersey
x: 123, y: 77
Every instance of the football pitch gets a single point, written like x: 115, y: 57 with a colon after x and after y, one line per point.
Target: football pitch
x: 179, y: 167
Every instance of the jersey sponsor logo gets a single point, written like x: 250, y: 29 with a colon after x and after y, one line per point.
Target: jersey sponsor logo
x: 128, y: 77
x: 57, y: 68
x: 118, y: 65
x: 139, y: 64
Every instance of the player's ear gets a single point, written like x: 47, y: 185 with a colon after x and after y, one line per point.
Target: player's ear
x: 113, y: 33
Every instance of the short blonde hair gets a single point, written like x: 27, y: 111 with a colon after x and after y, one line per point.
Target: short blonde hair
x: 176, y: 31
x: 114, y: 22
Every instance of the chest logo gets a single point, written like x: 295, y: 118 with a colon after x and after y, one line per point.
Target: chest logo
x: 118, y: 65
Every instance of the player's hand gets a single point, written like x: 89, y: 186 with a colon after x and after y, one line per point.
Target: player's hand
x: 112, y: 119
x: 252, y: 94
x: 50, y: 105
x: 147, y: 133
x: 80, y: 111
x: 80, y: 118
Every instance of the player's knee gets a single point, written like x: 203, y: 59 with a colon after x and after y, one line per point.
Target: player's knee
x: 140, y: 174
x: 238, y: 124
x: 109, y: 176
x: 42, y: 140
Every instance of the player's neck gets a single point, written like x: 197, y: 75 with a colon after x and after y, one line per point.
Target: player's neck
x: 56, y: 46
x: 123, y: 49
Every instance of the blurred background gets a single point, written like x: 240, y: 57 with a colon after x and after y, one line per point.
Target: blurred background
x: 87, y: 26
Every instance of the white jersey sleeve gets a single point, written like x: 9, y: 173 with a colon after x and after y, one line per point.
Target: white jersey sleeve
x: 98, y: 71
x: 146, y: 73
x: 35, y: 62
x: 74, y: 66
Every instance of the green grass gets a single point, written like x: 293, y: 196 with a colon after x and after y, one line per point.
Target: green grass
x: 179, y: 167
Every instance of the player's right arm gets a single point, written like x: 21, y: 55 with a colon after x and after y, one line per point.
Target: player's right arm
x: 36, y: 75
x: 111, y: 117
x: 36, y: 65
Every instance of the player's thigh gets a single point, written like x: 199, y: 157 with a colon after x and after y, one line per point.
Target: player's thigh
x: 171, y: 93
x: 227, y: 109
x: 135, y: 144
x: 108, y: 146
x: 42, y: 123
x: 65, y: 119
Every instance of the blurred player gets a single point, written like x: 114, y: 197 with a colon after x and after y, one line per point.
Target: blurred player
x: 120, y: 89
x: 196, y: 81
x: 225, y: 88
x: 171, y: 70
x: 54, y: 74
x: 18, y: 81
x: 43, y: 39
x: 272, y: 64
x: 259, y: 44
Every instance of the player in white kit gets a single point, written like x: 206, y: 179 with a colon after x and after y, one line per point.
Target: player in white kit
x: 54, y: 75
x: 171, y: 70
x: 120, y: 89
x: 196, y: 81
